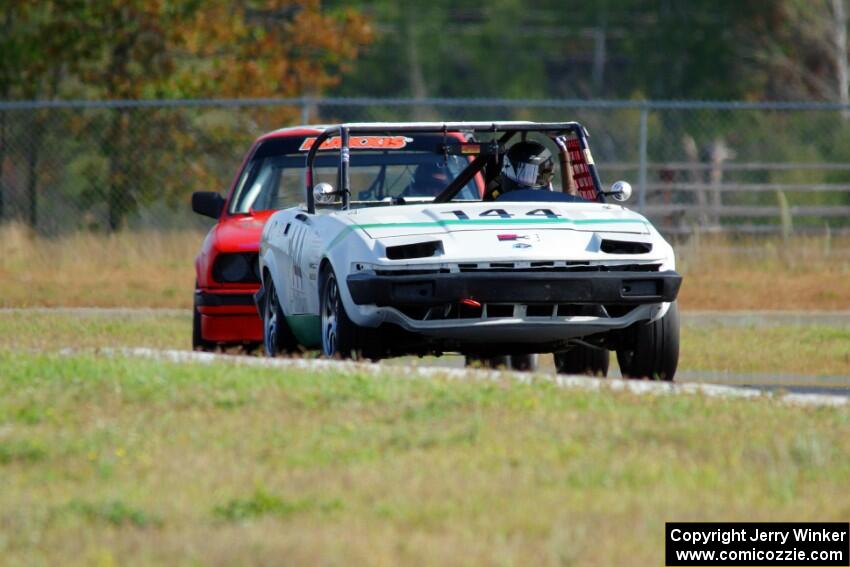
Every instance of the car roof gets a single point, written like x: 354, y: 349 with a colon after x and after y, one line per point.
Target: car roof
x: 302, y: 130
x: 315, y: 129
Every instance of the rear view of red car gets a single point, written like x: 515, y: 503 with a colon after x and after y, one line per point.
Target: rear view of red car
x: 226, y: 267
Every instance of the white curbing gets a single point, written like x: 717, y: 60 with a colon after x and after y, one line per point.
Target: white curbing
x: 640, y: 387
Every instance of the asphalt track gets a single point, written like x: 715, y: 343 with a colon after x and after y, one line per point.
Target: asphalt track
x: 765, y: 382
x: 835, y: 387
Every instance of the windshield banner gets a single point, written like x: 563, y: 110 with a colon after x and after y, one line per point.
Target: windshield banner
x: 360, y: 143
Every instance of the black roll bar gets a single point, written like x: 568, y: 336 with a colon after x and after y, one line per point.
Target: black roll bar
x: 345, y: 131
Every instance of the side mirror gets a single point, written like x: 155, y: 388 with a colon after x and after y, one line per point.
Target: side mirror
x: 324, y: 194
x: 207, y: 203
x: 620, y: 191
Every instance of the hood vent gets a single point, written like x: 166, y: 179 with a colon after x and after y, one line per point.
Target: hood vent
x: 625, y: 247
x: 417, y: 250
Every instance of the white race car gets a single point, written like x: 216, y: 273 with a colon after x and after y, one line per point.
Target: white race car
x: 429, y: 238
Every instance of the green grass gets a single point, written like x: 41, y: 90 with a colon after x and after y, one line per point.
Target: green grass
x: 790, y: 349
x: 123, y: 461
x: 805, y: 350
x: 28, y: 330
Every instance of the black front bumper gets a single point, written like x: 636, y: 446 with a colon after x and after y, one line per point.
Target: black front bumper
x: 614, y: 288
x: 212, y: 299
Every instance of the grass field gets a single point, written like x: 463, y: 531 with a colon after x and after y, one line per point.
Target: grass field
x: 118, y: 461
x: 155, y: 269
x: 806, y: 350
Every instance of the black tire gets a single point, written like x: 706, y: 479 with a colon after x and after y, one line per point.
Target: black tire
x: 655, y: 352
x: 340, y: 336
x: 583, y: 360
x: 524, y: 362
x: 198, y: 342
x: 277, y: 336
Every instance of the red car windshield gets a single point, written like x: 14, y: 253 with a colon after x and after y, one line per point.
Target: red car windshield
x: 277, y: 181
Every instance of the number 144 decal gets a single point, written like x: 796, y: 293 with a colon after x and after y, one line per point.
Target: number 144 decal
x: 502, y: 213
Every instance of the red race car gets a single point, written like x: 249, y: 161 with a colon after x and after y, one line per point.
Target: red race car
x: 224, y: 313
x: 271, y: 178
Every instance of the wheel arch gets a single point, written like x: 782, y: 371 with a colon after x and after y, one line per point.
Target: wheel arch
x: 325, y: 264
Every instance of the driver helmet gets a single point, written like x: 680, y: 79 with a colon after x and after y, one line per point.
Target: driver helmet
x: 527, y: 165
x: 429, y: 179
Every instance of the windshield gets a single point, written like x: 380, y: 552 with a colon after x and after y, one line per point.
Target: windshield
x: 278, y: 181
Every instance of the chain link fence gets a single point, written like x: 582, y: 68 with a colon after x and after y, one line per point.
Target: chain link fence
x: 695, y: 166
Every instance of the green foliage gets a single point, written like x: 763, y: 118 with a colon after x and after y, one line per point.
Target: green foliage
x: 553, y: 49
x: 263, y: 503
x: 21, y: 451
x: 114, y: 512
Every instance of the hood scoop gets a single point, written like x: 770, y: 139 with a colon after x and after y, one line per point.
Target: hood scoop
x: 625, y: 247
x: 415, y: 250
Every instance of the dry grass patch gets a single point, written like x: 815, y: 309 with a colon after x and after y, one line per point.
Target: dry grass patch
x: 155, y: 269
x: 803, y: 273
x: 142, y: 268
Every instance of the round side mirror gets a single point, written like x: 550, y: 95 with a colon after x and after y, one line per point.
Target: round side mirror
x: 620, y: 191
x: 324, y: 194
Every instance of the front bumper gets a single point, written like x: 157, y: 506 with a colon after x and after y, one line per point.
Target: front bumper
x: 224, y: 299
x: 228, y: 316
x: 600, y: 288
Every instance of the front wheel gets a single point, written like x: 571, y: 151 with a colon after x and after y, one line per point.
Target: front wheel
x: 277, y: 336
x: 654, y: 348
x: 339, y: 333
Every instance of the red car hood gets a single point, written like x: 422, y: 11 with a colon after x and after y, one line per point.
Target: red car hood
x: 241, y: 233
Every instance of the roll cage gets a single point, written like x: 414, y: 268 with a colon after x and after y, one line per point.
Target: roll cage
x: 488, y: 152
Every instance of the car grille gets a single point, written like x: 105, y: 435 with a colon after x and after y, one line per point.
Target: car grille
x: 490, y: 311
x: 523, y: 267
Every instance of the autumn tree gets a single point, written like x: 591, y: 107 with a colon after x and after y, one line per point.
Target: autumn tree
x: 34, y: 53
x: 136, y: 49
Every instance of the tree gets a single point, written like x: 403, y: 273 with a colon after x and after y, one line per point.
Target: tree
x: 35, y: 50
x: 133, y: 49
x: 801, y: 51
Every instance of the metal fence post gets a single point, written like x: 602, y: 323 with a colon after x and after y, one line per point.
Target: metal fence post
x: 644, y: 116
x: 305, y: 111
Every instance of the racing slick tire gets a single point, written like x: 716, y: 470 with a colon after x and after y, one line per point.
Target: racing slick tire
x: 198, y: 342
x: 655, y: 352
x: 277, y: 336
x: 340, y: 336
x: 583, y: 360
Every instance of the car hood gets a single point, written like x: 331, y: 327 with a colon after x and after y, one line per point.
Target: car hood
x: 410, y: 220
x: 241, y: 233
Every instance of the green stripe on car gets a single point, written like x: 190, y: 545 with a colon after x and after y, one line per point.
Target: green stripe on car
x: 479, y: 222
